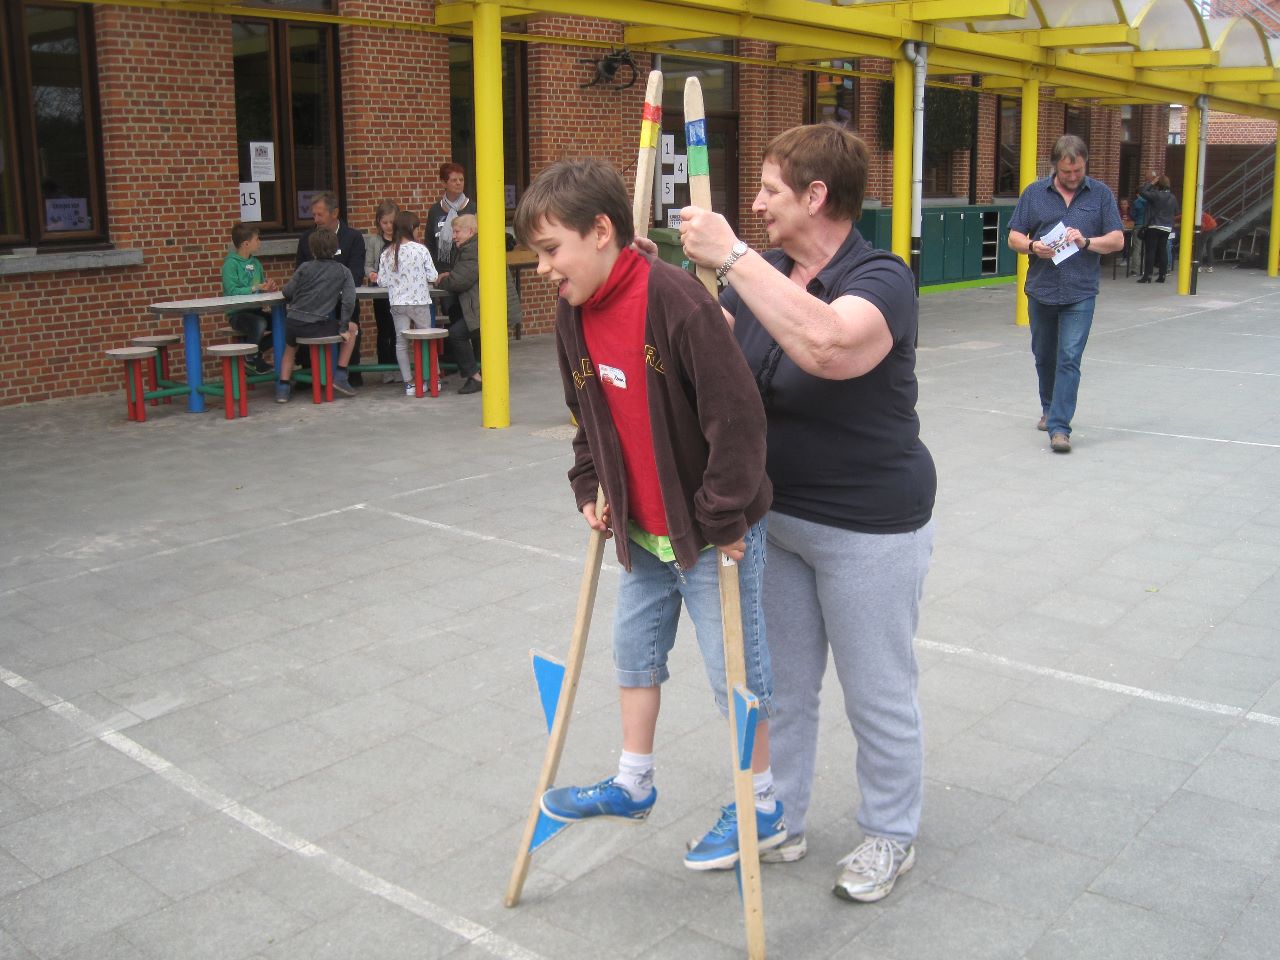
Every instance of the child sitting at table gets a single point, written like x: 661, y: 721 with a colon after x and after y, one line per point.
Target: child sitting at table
x: 464, y: 280
x: 242, y: 274
x: 312, y: 294
x: 407, y: 271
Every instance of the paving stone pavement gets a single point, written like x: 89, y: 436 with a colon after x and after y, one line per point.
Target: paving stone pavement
x: 266, y: 690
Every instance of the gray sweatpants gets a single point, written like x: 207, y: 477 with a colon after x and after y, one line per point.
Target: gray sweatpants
x: 857, y: 595
x: 414, y: 316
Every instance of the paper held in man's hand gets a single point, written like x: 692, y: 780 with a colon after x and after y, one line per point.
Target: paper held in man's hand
x: 1057, y: 239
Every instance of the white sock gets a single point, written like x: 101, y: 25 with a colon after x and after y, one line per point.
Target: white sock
x: 762, y: 785
x: 635, y: 774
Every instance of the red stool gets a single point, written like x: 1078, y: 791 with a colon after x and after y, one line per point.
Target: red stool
x: 233, y: 386
x: 321, y: 365
x: 159, y: 367
x: 426, y: 340
x: 133, y: 389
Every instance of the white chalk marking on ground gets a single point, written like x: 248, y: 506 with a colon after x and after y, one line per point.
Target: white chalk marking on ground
x: 179, y: 548
x: 358, y: 877
x: 1174, y: 366
x: 475, y: 476
x: 1145, y: 433
x: 482, y: 537
x: 1213, y: 307
x: 1124, y: 689
x: 280, y: 525
x: 1267, y: 336
x: 1192, y: 436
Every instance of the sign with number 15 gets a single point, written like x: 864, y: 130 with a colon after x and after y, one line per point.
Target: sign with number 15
x: 250, y: 202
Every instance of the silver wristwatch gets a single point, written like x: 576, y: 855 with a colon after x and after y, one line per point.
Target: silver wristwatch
x: 736, y: 253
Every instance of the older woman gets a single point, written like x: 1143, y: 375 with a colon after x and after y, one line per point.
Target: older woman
x: 829, y: 326
x: 443, y: 212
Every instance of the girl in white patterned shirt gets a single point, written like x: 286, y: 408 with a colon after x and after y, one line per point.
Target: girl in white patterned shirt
x: 407, y: 271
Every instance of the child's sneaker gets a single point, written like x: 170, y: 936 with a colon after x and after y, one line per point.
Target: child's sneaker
x: 604, y: 799
x: 410, y: 390
x: 718, y: 848
x: 342, y: 384
x: 283, y: 390
x: 872, y: 869
x: 789, y: 851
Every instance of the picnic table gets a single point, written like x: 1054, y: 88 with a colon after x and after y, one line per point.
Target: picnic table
x: 192, y: 310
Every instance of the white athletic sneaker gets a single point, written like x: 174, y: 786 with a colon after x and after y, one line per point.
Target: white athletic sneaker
x: 789, y: 851
x: 410, y: 390
x: 871, y: 870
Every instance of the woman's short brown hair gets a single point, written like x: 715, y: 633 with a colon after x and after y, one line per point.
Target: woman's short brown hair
x: 826, y: 152
x: 574, y: 193
x: 447, y: 170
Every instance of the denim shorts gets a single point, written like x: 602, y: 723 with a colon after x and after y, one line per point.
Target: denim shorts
x: 648, y: 610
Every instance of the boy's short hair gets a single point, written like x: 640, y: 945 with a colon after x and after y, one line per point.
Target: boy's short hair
x: 242, y: 233
x: 826, y: 152
x: 323, y: 244
x: 574, y: 193
x: 467, y: 221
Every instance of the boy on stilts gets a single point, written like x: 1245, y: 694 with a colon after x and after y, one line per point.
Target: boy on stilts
x: 672, y: 427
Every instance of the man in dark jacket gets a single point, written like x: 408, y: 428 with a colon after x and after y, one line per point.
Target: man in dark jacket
x: 327, y: 213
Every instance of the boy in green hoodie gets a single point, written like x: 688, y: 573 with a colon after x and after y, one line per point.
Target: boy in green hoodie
x: 242, y: 274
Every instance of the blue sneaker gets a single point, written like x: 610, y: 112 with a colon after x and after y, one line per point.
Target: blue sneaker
x: 718, y: 848
x: 604, y: 799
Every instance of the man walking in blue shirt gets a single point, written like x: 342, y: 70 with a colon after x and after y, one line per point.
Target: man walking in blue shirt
x: 1061, y: 295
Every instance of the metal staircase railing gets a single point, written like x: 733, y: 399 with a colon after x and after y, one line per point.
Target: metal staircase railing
x: 1242, y: 197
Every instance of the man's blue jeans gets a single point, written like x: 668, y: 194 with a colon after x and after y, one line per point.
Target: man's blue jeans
x: 1059, y: 332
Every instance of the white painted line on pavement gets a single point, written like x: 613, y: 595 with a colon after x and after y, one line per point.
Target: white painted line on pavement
x: 170, y: 551
x: 1145, y: 433
x: 1173, y: 366
x: 280, y: 525
x: 1218, y: 305
x: 1123, y: 689
x: 1191, y: 436
x: 470, y: 931
x: 475, y: 476
x: 484, y: 537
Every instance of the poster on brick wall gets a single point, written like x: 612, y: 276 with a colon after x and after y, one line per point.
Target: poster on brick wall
x: 66, y: 213
x: 305, y: 199
x: 250, y: 202
x: 262, y: 161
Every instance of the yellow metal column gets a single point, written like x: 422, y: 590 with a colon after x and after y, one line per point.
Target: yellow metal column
x: 1026, y: 177
x: 486, y: 41
x: 1187, y: 229
x: 1273, y: 245
x: 903, y: 80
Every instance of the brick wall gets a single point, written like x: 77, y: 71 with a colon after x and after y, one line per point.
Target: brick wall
x: 169, y: 149
x: 395, y: 109
x: 1229, y: 128
x: 168, y: 142
x: 1104, y: 146
x: 770, y: 101
x: 568, y: 121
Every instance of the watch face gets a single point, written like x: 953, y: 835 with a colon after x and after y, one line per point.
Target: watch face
x: 740, y: 248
